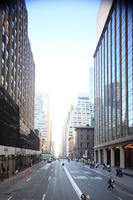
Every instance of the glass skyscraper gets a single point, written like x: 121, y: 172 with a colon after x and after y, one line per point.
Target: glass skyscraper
x: 113, y: 73
x: 91, y: 83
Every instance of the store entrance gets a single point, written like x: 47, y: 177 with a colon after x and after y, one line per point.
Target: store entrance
x: 129, y: 156
x: 117, y: 156
x: 108, y: 157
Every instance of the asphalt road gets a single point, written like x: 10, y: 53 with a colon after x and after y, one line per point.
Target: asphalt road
x: 54, y: 182
x: 94, y: 184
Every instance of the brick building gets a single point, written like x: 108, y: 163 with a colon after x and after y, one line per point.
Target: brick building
x: 84, y: 142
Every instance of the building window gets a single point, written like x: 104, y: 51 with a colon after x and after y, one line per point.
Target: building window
x: 7, y: 24
x: 3, y: 62
x: 15, y: 19
x: 12, y: 38
x: 2, y: 80
x: 3, y: 30
x: 3, y: 46
x: 7, y: 55
x: 6, y: 85
x: 7, y: 39
x: 12, y: 10
x: 6, y: 70
x: 15, y: 58
x: 15, y: 32
x: 12, y: 65
x: 3, y: 14
x: 12, y: 52
x: 81, y: 144
x: 15, y: 45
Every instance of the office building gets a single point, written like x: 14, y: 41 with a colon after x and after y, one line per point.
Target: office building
x: 80, y: 115
x: 42, y: 117
x: 113, y: 60
x: 83, y: 142
x: 18, y: 142
x: 17, y: 68
x: 91, y: 83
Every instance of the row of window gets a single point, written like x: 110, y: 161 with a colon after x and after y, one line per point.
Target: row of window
x: 85, y: 145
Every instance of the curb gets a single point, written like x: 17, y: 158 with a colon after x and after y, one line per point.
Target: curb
x: 127, y: 174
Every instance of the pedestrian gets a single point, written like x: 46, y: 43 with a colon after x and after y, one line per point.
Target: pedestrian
x: 111, y: 183
x: 117, y: 170
x: 4, y: 169
x: 83, y: 197
x: 88, y: 197
x: 1, y: 174
x: 7, y: 171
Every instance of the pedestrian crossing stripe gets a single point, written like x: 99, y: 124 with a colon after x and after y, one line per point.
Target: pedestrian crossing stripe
x: 80, y: 177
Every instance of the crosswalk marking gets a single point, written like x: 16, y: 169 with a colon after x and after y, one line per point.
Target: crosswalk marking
x: 80, y: 177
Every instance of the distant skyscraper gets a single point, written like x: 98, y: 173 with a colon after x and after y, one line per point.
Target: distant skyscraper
x: 41, y: 117
x: 80, y: 115
x: 91, y: 83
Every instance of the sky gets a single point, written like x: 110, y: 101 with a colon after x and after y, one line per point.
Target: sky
x: 62, y: 34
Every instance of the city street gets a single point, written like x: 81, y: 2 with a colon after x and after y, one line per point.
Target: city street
x: 52, y: 181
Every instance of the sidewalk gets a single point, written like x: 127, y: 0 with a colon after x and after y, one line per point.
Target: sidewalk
x: 125, y: 181
x: 18, y: 176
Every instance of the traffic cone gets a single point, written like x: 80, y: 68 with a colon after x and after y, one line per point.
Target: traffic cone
x: 30, y: 171
x: 23, y: 176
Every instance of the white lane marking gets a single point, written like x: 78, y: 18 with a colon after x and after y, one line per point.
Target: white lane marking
x: 76, y: 188
x: 43, y: 197
x: 88, y: 173
x: 10, y: 198
x: 96, y: 178
x: 86, y: 167
x: 119, y: 198
x: 85, y: 172
x: 28, y: 179
x: 46, y: 166
x: 49, y: 178
x: 74, y: 171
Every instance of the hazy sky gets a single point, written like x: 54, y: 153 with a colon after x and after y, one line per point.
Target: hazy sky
x: 63, y: 40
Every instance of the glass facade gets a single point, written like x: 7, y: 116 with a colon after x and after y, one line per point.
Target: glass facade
x: 114, y: 76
